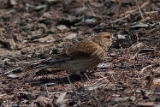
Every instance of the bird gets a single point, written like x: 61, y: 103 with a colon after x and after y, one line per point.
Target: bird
x: 82, y: 56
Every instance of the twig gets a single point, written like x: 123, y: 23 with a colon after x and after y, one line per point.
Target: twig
x: 129, y: 12
x: 147, y: 67
x: 150, y: 81
x: 120, y: 19
x: 103, y: 78
x: 139, y: 10
x: 99, y: 104
x: 72, y: 88
x: 134, y: 57
x: 90, y: 8
x: 87, y: 77
x: 136, y: 47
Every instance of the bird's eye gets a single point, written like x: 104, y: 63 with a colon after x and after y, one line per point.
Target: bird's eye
x: 108, y: 37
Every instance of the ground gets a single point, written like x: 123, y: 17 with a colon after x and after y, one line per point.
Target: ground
x: 32, y: 31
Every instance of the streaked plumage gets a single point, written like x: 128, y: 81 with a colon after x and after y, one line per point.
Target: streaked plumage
x: 84, y: 55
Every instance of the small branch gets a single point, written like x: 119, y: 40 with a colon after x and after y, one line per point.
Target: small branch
x: 139, y: 10
x: 129, y: 12
x: 90, y: 8
x: 147, y: 67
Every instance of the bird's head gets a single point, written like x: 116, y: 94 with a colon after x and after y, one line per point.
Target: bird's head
x: 104, y: 39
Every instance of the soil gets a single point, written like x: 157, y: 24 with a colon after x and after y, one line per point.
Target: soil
x: 32, y: 31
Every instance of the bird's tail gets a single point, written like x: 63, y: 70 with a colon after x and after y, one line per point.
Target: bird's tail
x: 53, y: 61
x: 49, y: 63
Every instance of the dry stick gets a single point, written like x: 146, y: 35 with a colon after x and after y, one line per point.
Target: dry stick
x: 139, y: 10
x: 72, y: 87
x: 150, y: 81
x: 151, y: 31
x: 129, y: 12
x: 151, y: 12
x: 90, y: 8
x: 99, y: 105
x: 147, y: 67
x: 102, y: 77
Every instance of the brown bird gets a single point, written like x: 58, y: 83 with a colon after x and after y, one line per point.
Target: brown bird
x: 84, y: 55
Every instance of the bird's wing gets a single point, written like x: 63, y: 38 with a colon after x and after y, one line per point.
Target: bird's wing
x: 84, y: 49
x: 61, y: 55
